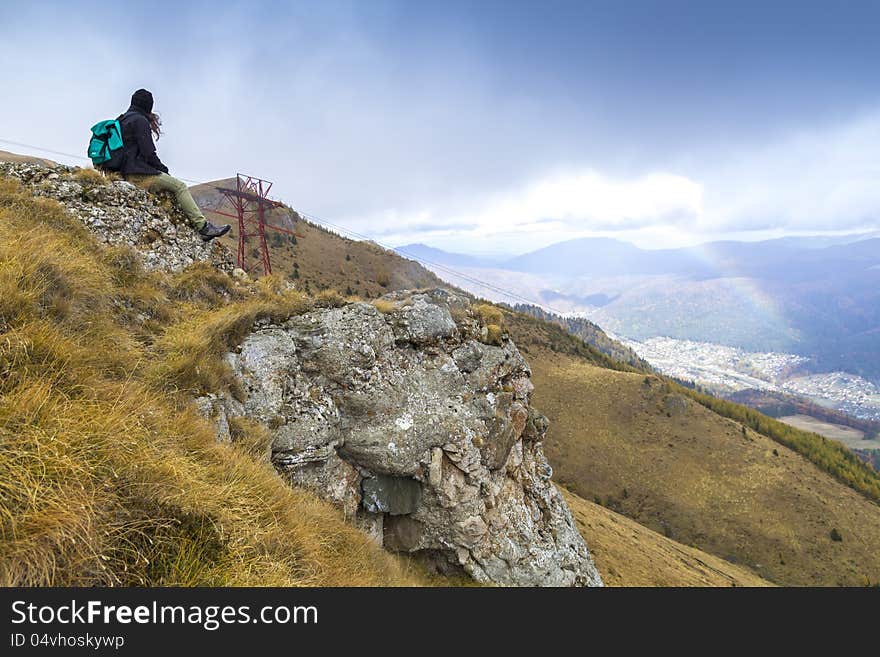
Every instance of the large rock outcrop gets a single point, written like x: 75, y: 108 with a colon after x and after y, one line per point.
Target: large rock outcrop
x: 419, y: 431
x: 121, y: 214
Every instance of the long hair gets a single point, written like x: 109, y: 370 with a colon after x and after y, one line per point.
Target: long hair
x: 155, y: 124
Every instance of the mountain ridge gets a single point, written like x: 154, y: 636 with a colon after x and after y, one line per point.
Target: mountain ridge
x: 568, y: 256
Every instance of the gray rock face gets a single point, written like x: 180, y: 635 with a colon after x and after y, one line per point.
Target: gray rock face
x: 424, y: 322
x: 120, y: 214
x: 424, y: 436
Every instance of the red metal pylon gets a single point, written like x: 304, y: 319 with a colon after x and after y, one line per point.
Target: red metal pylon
x: 250, y: 199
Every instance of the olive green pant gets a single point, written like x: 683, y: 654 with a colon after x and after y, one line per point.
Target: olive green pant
x: 165, y: 183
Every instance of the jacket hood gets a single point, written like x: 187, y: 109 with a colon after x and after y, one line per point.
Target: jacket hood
x: 142, y: 100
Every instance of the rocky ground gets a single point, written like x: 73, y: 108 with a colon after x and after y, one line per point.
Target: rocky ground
x: 120, y: 213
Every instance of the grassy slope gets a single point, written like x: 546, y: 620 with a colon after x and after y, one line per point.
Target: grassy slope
x: 676, y: 467
x: 832, y: 457
x: 107, y: 475
x: 327, y: 261
x: 629, y: 554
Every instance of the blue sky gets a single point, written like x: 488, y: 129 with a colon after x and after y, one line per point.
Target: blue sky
x: 484, y: 126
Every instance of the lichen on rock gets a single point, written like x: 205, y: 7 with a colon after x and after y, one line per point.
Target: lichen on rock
x: 419, y: 432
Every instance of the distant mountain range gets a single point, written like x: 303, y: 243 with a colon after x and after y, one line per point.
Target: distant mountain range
x: 814, y: 296
x: 787, y: 257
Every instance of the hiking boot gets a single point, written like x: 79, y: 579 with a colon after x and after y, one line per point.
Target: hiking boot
x: 209, y: 231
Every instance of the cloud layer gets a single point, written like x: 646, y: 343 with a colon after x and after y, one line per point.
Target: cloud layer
x: 825, y: 180
x: 447, y: 125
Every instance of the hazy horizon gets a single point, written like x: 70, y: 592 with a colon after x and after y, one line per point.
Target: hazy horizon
x: 746, y: 238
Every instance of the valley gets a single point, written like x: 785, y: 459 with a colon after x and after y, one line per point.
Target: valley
x: 816, y: 297
x: 723, y: 369
x: 798, y: 316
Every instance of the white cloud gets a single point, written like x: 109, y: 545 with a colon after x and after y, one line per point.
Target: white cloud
x: 433, y: 150
x: 591, y: 201
x: 823, y: 179
x: 561, y: 204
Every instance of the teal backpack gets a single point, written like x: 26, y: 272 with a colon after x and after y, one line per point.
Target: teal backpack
x: 105, y: 146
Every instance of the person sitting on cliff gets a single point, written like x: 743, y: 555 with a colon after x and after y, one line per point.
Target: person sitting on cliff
x: 142, y: 166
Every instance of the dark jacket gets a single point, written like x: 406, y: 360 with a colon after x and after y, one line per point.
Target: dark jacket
x: 139, y: 151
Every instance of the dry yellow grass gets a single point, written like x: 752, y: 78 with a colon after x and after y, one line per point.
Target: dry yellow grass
x: 488, y: 314
x: 672, y: 465
x: 629, y: 554
x: 494, y: 334
x: 384, y: 306
x: 107, y: 475
x: 190, y: 349
x: 492, y: 318
x: 92, y: 176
